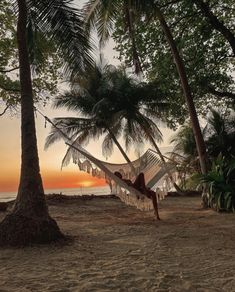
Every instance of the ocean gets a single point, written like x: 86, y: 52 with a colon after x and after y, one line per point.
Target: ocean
x: 8, y: 196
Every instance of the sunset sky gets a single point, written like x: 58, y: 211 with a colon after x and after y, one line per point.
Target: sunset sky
x: 50, y: 160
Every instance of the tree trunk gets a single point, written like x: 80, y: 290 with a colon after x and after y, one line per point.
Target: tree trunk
x: 121, y: 150
x: 130, y: 23
x: 216, y: 23
x: 201, y: 147
x: 30, y: 221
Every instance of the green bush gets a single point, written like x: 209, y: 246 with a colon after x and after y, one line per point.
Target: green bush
x: 220, y: 182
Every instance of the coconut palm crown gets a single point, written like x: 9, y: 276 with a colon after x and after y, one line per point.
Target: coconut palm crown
x: 111, y: 103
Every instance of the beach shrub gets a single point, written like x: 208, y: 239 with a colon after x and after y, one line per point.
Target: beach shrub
x: 220, y: 182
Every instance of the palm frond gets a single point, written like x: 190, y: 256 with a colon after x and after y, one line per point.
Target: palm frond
x: 70, y: 152
x: 54, y: 136
x: 101, y: 14
x: 107, y: 146
x: 62, y: 23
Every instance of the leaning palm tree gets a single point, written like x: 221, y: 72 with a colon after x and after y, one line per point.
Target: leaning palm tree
x: 29, y: 222
x: 103, y: 13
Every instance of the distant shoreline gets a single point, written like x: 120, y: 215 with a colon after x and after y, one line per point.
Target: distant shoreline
x: 60, y: 197
x: 97, y: 191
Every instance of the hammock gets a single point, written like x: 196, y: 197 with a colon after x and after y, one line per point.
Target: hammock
x: 148, y: 163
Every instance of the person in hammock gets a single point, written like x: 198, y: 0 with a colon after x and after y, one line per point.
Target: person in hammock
x: 139, y: 185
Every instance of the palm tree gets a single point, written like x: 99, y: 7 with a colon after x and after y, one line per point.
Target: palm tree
x: 220, y: 135
x: 184, y: 142
x: 86, y: 93
x: 184, y: 152
x: 29, y: 221
x: 114, y: 103
x: 103, y: 14
x: 137, y: 105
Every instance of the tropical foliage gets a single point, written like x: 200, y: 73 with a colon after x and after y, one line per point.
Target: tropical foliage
x: 207, y: 55
x: 104, y: 13
x: 220, y: 181
x: 184, y: 154
x: 46, y: 63
x: 219, y: 135
x: 112, y: 104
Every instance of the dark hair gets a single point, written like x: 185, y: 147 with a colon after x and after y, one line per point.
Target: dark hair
x: 118, y: 174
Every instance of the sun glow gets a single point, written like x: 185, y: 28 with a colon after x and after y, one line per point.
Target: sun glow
x: 85, y: 184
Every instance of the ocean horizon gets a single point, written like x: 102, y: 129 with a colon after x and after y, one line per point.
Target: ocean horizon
x: 97, y: 191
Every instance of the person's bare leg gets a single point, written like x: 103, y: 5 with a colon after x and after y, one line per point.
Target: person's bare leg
x: 155, y: 204
x: 139, y: 182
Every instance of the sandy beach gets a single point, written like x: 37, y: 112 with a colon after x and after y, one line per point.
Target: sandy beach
x: 118, y: 248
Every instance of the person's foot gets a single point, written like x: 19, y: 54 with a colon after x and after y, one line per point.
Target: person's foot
x: 157, y: 215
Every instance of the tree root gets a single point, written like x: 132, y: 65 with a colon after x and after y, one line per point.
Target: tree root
x: 19, y: 230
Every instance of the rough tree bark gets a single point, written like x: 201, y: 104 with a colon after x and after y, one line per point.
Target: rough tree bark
x: 29, y: 221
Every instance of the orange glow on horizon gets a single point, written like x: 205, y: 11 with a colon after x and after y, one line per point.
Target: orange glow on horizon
x: 9, y: 181
x: 53, y: 179
x: 86, y: 183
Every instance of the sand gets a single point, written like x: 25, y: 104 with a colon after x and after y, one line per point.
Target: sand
x: 118, y: 248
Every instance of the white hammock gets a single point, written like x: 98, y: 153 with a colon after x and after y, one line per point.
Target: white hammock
x: 148, y: 163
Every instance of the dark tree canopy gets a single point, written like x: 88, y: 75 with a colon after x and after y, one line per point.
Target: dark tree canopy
x: 207, y: 56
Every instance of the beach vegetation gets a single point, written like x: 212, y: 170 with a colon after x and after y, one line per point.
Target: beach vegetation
x: 219, y: 134
x: 220, y: 182
x: 84, y: 95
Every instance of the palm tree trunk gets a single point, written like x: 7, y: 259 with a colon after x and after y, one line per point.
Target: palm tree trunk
x: 201, y: 148
x: 30, y: 192
x: 121, y: 149
x: 30, y: 221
